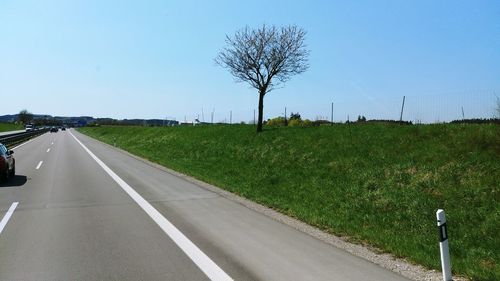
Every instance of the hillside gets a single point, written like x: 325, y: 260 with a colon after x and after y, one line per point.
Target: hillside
x: 373, y: 183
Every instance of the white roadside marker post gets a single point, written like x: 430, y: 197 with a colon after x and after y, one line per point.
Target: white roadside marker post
x: 443, y: 245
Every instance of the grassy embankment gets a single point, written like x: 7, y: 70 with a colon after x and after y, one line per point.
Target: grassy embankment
x: 375, y: 184
x: 5, y: 127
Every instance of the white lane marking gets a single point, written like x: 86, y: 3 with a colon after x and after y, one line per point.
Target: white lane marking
x: 52, y: 143
x: 48, y: 150
x: 212, y: 270
x: 39, y: 165
x: 26, y: 142
x: 7, y: 216
x: 23, y: 144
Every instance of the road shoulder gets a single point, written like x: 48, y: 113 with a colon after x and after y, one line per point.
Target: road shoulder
x: 397, y: 265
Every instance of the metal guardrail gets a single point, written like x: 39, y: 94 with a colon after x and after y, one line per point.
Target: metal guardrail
x: 13, y: 139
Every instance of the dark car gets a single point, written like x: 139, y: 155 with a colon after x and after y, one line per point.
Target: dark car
x: 54, y: 130
x: 7, y: 163
x: 63, y: 129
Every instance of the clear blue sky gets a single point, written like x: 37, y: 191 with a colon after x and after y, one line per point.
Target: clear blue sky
x: 151, y: 59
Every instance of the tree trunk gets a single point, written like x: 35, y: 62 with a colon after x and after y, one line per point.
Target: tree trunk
x: 261, y: 111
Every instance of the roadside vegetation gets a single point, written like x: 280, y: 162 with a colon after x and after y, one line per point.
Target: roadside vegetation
x: 376, y: 184
x: 5, y: 127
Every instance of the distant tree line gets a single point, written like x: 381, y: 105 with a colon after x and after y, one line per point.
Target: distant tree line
x: 133, y: 122
x: 296, y: 120
x: 363, y: 119
x: 477, y: 121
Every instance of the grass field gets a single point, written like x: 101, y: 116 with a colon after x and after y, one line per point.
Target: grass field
x: 375, y: 184
x: 5, y: 127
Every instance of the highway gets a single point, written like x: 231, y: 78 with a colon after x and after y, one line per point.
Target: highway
x: 86, y: 211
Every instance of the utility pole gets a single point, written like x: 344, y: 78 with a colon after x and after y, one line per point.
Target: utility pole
x: 230, y: 117
x: 402, y: 108
x: 254, y: 117
x: 202, y: 115
x: 463, y: 115
x: 332, y: 114
x: 286, y: 123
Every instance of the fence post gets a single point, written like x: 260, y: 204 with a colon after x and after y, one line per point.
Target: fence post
x: 443, y: 245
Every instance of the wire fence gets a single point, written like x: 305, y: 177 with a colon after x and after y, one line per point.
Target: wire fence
x: 418, y: 109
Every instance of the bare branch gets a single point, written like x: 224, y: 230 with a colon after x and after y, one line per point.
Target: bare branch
x: 258, y: 55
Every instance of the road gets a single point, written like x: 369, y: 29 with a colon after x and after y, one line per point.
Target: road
x: 89, y: 212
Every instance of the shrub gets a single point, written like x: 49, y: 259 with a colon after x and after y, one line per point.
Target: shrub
x: 307, y: 123
x: 300, y: 123
x: 321, y: 122
x: 278, y: 121
x: 294, y: 123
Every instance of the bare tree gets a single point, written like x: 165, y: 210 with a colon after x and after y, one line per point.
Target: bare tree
x: 266, y: 58
x: 25, y: 116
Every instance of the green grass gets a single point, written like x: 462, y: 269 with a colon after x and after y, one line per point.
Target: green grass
x: 5, y: 127
x: 375, y: 184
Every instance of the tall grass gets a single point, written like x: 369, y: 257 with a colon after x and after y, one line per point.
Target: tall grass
x: 375, y: 184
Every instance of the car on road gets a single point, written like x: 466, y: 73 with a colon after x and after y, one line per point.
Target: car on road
x: 7, y: 163
x: 30, y: 128
x: 63, y: 129
x: 54, y: 129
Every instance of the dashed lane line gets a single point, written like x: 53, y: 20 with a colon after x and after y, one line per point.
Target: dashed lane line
x: 7, y: 216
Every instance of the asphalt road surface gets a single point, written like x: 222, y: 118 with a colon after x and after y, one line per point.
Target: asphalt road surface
x: 80, y: 210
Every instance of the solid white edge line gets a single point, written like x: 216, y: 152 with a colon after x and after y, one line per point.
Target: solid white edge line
x: 48, y: 149
x: 7, y: 216
x: 23, y: 144
x: 14, y: 148
x: 39, y: 165
x: 212, y: 270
